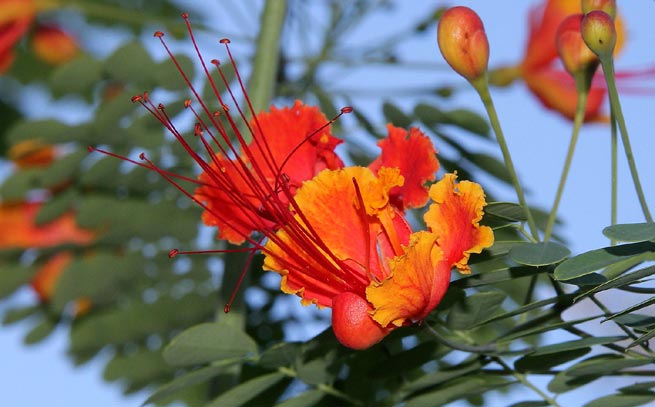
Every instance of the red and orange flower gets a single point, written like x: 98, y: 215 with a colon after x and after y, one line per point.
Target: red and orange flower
x: 337, y: 235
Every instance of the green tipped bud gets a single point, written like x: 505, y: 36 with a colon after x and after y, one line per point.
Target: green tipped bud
x: 463, y: 42
x: 599, y: 33
x: 574, y: 53
x: 608, y: 6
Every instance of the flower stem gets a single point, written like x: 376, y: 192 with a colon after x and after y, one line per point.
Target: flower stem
x: 481, y: 85
x: 608, y: 69
x: 582, y: 88
x: 265, y: 65
x: 524, y: 380
x: 614, y: 170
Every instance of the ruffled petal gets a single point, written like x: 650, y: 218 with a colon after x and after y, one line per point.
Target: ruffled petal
x: 415, y: 156
x: 20, y: 230
x: 283, y: 150
x: 336, y: 245
x: 454, y: 217
x: 419, y: 279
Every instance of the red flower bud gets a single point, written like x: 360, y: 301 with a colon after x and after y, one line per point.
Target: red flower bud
x: 352, y: 322
x: 599, y: 33
x: 608, y: 6
x: 573, y: 51
x: 463, y: 42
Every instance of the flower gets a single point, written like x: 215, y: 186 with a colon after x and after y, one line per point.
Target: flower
x: 20, y: 219
x: 50, y: 44
x: 540, y: 67
x: 337, y: 235
x: 349, y: 248
x: 53, y: 45
x: 463, y: 42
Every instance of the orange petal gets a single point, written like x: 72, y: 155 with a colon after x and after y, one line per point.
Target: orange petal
x: 556, y: 90
x: 419, y: 278
x: 454, y: 217
x: 335, y: 245
x: 283, y: 149
x: 32, y: 153
x: 352, y: 323
x: 415, y: 156
x: 54, y: 46
x: 46, y: 278
x: 20, y: 221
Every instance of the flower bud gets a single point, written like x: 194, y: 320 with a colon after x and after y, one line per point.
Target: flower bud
x: 599, y: 33
x: 572, y: 50
x: 608, y: 6
x: 352, y: 322
x: 463, y: 42
x: 54, y: 46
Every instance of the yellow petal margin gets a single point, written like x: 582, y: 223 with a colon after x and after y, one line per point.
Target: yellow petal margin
x: 417, y: 282
x: 454, y: 217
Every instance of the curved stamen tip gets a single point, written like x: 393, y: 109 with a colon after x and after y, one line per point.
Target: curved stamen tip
x: 161, y: 106
x: 346, y: 109
x: 215, y: 62
x: 136, y: 98
x: 142, y: 156
x: 173, y: 253
x: 226, y: 309
x: 158, y: 34
x: 185, y: 16
x: 224, y: 41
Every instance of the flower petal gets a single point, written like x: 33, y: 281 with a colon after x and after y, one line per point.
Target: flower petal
x: 454, y: 217
x: 352, y: 322
x: 419, y: 279
x: 335, y: 244
x: 415, y: 156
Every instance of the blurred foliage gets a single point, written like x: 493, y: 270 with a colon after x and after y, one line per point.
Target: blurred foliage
x: 162, y: 320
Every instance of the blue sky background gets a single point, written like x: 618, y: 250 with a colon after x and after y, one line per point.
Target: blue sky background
x: 42, y: 375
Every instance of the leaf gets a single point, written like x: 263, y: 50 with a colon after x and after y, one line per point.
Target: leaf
x: 643, y: 338
x: 279, y: 355
x: 394, y: 115
x: 495, y: 277
x: 13, y: 276
x: 562, y: 383
x: 167, y: 76
x: 209, y: 342
x: 621, y: 400
x: 510, y: 211
x: 631, y: 232
x: 535, y: 403
x: 604, y: 365
x: 528, y: 307
x: 591, y: 261
x: 246, y: 391
x: 475, y: 309
x: 527, y: 329
x: 190, y: 379
x: 635, y: 307
x: 14, y: 315
x: 139, y: 367
x: 543, y: 362
x: 539, y: 254
x: 462, y: 387
x: 131, y: 63
x: 40, y: 331
x: 577, y: 344
x: 468, y: 120
x: 308, y: 398
x: 78, y: 76
x: 620, y: 281
x: 442, y: 376
x: 56, y: 206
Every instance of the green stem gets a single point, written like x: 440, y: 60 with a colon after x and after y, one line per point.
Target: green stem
x: 614, y: 176
x: 481, y: 85
x: 582, y: 87
x: 608, y: 69
x: 265, y: 66
x: 524, y: 380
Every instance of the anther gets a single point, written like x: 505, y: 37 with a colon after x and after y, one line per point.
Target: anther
x: 173, y: 253
x: 185, y: 16
x: 187, y: 103
x: 224, y: 41
x: 142, y: 156
x: 136, y: 98
x: 346, y: 109
x: 158, y: 34
x: 216, y: 62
